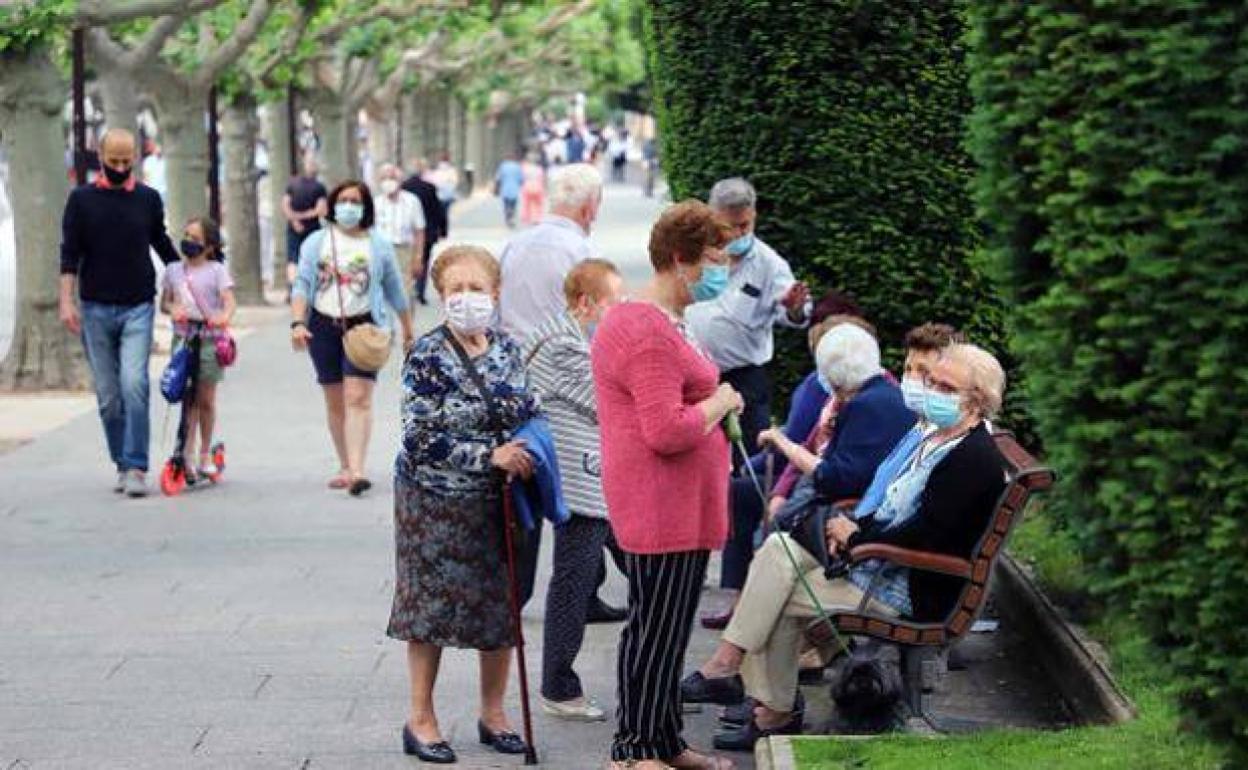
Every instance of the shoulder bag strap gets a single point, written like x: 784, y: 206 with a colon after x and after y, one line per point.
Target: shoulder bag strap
x: 333, y: 266
x: 491, y: 408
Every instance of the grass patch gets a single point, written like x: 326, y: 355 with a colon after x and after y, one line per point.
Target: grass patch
x: 1157, y: 740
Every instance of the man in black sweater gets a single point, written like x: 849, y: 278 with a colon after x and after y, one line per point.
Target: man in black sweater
x: 435, y: 220
x: 108, y: 283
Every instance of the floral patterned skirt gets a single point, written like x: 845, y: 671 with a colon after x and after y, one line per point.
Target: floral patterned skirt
x: 450, y: 586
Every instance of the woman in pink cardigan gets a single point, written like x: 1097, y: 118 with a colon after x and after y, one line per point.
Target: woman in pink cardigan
x: 665, y: 465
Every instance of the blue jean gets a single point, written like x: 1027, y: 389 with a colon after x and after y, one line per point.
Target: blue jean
x: 118, y: 341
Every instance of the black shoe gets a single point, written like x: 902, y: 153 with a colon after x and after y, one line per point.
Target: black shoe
x: 359, y: 487
x: 720, y: 690
x: 735, y: 716
x: 439, y: 753
x: 601, y: 612
x: 503, y: 742
x: 744, y: 737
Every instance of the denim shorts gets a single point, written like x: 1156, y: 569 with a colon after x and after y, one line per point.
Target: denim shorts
x: 328, y: 355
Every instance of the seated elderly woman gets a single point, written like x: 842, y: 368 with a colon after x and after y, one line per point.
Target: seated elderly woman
x: 940, y: 501
x: 871, y: 419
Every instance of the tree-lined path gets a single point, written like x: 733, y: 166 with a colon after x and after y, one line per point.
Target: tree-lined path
x: 243, y: 626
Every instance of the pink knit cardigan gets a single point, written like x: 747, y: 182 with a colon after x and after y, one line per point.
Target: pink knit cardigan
x: 664, y: 477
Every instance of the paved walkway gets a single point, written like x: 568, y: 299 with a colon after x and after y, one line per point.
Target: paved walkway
x: 243, y: 626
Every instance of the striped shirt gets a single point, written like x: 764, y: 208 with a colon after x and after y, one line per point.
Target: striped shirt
x: 557, y: 357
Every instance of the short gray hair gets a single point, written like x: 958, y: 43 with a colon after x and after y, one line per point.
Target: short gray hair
x: 732, y: 193
x: 985, y: 378
x: 575, y: 185
x: 847, y: 356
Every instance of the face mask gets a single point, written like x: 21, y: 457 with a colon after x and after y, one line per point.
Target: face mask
x: 191, y: 249
x: 942, y: 409
x: 912, y: 392
x: 470, y: 312
x: 348, y: 214
x: 712, y: 283
x: 591, y: 328
x: 739, y: 247
x: 116, y: 178
x: 389, y: 186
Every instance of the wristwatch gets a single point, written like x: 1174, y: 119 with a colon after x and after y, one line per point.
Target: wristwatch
x: 293, y: 324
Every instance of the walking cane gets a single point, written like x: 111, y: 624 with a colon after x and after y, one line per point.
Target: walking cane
x: 509, y: 522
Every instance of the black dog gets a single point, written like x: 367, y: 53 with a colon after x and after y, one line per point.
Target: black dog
x: 866, y: 689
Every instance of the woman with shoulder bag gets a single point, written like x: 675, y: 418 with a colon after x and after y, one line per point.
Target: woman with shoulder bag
x: 464, y: 391
x: 351, y: 279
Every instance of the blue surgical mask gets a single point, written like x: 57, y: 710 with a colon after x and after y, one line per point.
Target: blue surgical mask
x: 912, y: 392
x: 348, y: 213
x: 739, y: 247
x: 942, y: 409
x: 712, y: 283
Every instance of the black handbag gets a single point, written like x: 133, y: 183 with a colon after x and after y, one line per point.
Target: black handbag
x: 805, y: 518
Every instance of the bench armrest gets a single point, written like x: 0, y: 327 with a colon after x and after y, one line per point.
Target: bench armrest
x: 924, y: 560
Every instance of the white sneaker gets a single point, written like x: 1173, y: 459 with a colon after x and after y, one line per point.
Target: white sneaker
x: 578, y: 710
x: 120, y: 486
x: 207, y: 469
x: 136, y: 484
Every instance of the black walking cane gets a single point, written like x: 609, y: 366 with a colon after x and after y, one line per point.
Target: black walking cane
x: 509, y: 522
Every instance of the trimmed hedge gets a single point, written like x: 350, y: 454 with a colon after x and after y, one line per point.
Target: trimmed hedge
x: 1114, y: 186
x: 849, y: 118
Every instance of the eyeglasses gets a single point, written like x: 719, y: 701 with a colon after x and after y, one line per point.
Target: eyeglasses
x: 940, y: 386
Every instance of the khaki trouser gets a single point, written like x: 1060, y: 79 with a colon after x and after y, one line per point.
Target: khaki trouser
x: 773, y: 611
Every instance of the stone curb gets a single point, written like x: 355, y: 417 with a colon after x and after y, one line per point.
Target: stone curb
x: 1076, y: 664
x: 774, y: 753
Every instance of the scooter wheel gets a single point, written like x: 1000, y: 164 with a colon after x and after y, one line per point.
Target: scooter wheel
x: 172, y: 479
x: 218, y: 459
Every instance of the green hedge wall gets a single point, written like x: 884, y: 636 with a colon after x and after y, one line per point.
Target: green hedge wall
x: 849, y: 117
x: 1114, y: 185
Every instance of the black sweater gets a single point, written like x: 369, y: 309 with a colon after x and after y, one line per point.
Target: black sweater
x: 105, y: 237
x: 954, y: 510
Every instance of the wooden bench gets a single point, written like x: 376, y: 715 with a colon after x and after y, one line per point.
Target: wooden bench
x: 922, y: 643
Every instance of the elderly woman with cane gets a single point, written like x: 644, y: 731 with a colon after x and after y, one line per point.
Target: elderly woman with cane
x: 664, y: 475
x: 464, y: 390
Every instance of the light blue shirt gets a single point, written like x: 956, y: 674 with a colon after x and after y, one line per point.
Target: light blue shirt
x: 735, y: 328
x: 385, y: 286
x: 510, y: 177
x: 534, y: 265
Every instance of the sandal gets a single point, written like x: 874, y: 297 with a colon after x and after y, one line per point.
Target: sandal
x: 341, y: 481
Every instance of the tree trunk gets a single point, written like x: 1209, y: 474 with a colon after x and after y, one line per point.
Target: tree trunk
x: 476, y: 137
x: 32, y: 95
x: 437, y: 112
x: 382, y: 137
x: 180, y: 113
x: 121, y: 99
x: 457, y: 129
x: 414, y: 137
x: 277, y: 136
x: 242, y: 216
x: 339, y: 158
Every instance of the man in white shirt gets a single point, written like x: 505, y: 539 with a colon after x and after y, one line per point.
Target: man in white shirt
x: 401, y: 220
x: 536, y: 261
x: 535, y: 264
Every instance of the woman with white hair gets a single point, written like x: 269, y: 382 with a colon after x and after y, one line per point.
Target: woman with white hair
x: 941, y: 501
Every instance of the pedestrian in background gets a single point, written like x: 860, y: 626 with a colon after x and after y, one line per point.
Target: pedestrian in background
x: 451, y: 564
x: 347, y: 276
x: 107, y: 288
x: 508, y: 180
x: 532, y: 192
x: 445, y: 177
x: 401, y: 220
x: 304, y: 205
x: 435, y: 222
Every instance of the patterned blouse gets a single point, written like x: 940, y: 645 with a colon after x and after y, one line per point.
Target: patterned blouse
x: 447, y: 436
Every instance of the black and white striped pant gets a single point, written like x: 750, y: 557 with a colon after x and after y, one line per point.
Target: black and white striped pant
x: 663, y: 592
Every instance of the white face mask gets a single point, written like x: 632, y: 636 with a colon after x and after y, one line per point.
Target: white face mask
x: 470, y: 312
x: 389, y: 186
